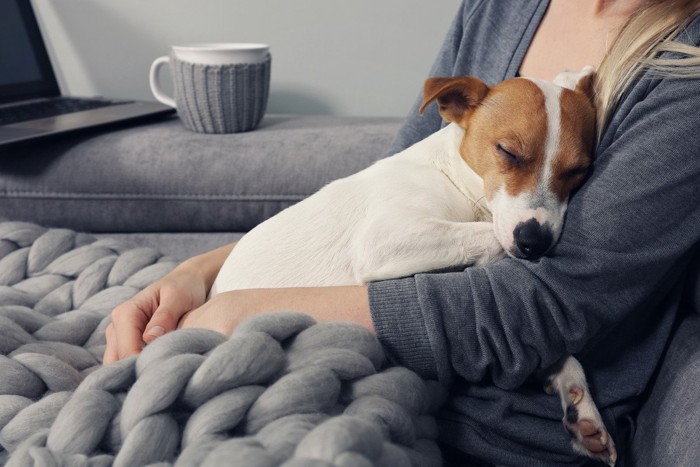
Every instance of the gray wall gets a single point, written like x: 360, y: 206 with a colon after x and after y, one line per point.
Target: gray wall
x: 333, y: 57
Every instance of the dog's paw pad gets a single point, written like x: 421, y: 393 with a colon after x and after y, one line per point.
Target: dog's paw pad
x: 588, y: 433
x: 581, y: 417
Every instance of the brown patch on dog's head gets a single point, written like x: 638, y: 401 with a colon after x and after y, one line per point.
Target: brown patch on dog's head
x: 577, y: 130
x: 506, y: 130
x: 505, y: 137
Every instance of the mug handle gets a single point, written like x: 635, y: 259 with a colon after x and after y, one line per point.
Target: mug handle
x: 153, y: 79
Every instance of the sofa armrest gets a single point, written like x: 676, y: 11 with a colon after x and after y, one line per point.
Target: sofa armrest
x: 161, y: 177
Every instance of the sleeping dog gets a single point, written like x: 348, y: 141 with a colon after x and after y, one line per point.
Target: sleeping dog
x: 495, y: 181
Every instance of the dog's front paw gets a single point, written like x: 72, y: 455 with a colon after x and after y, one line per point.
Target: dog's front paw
x: 492, y: 252
x: 585, y: 425
x: 581, y: 417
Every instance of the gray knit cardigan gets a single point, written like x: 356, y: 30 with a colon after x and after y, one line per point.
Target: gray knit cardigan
x: 608, y: 293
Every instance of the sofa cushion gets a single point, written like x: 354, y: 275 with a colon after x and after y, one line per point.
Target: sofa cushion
x: 160, y: 177
x: 178, y: 246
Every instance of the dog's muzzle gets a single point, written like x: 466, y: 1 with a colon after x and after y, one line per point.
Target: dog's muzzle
x: 532, y: 240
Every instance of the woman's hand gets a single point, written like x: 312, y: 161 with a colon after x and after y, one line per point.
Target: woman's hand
x: 153, y: 312
x: 157, y: 309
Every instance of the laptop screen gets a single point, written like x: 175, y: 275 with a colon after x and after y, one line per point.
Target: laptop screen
x: 25, y: 69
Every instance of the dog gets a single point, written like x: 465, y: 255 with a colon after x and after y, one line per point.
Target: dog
x: 494, y: 181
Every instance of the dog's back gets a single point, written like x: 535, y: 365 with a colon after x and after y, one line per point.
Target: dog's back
x: 335, y: 236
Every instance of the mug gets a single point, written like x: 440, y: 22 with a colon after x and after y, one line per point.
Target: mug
x: 219, y: 87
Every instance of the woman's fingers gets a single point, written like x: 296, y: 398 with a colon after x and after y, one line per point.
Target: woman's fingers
x: 173, y: 304
x: 129, y: 320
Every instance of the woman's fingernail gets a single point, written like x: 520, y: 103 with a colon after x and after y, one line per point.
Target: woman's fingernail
x: 156, y: 331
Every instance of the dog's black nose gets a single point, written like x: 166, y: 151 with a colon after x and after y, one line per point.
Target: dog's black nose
x: 532, y: 239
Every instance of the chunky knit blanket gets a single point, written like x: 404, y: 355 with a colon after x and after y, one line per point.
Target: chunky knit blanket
x: 282, y: 390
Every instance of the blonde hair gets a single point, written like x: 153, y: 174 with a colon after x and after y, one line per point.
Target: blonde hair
x: 649, y: 31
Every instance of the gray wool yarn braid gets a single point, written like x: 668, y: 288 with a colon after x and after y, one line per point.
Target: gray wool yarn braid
x: 281, y: 390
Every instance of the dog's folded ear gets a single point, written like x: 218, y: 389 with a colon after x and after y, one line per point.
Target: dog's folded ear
x: 586, y: 83
x: 583, y: 81
x: 456, y: 97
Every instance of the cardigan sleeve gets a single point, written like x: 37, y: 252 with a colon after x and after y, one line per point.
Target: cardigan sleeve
x: 624, y: 244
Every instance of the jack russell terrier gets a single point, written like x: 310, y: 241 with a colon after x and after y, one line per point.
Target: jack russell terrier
x: 495, y: 181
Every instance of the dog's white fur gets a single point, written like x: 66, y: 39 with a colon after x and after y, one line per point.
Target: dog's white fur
x: 422, y: 209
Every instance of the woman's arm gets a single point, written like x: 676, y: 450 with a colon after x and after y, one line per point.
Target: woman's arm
x: 624, y: 246
x: 208, y: 265
x: 224, y: 311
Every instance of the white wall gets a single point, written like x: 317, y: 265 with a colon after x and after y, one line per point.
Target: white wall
x: 333, y: 57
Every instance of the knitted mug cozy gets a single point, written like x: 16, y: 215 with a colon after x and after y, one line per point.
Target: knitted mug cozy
x: 221, y: 98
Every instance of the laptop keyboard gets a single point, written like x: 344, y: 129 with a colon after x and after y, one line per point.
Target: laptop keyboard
x: 49, y: 108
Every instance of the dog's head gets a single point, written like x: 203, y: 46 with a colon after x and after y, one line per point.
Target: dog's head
x: 531, y: 141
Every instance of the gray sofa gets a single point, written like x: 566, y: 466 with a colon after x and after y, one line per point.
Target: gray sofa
x: 183, y: 193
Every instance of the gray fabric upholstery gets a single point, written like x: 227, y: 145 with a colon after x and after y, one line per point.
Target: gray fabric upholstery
x: 163, y: 178
x: 176, y: 245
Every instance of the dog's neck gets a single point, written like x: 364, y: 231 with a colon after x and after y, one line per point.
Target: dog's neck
x: 441, y: 151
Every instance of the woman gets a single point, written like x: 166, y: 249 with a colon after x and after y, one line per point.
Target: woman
x: 608, y: 293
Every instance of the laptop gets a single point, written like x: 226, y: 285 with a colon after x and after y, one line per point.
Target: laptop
x: 31, y: 104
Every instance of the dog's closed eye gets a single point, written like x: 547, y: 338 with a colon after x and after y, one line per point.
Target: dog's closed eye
x: 509, y: 155
x: 575, y: 172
